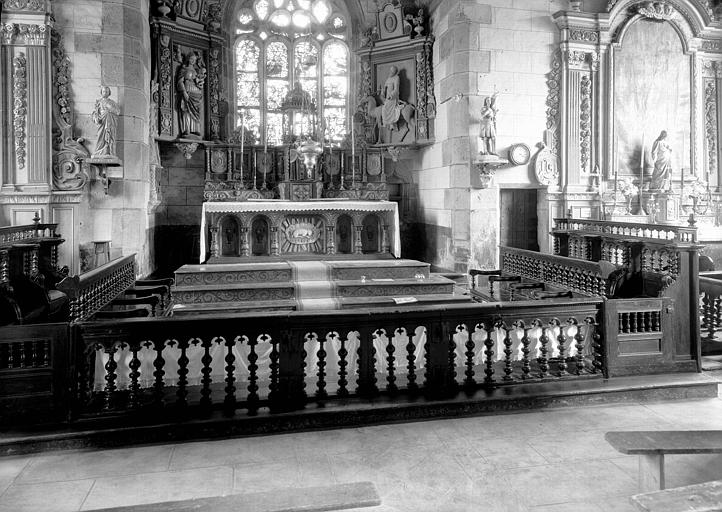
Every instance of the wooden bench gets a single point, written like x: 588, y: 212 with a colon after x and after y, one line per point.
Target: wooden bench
x: 690, y: 498
x: 652, y: 446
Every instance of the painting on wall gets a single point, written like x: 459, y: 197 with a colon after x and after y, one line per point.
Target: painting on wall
x: 651, y: 95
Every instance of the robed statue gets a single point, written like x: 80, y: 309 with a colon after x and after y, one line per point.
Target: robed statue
x: 105, y: 116
x: 190, y: 91
x: 488, y: 126
x: 391, y: 108
x: 662, y: 157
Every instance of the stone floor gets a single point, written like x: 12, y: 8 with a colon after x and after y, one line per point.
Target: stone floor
x: 548, y: 460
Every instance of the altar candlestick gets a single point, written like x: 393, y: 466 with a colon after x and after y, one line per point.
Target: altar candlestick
x: 255, y: 167
x: 353, y: 154
x: 242, y: 140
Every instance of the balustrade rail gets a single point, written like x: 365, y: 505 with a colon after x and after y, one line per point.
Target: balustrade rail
x: 14, y: 234
x: 92, y: 291
x: 582, y: 276
x: 203, y: 362
x: 629, y: 229
x: 710, y: 287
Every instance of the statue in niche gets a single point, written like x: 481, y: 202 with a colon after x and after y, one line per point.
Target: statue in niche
x: 662, y: 157
x: 394, y: 114
x: 105, y: 116
x: 488, y: 126
x: 391, y: 109
x: 191, y: 78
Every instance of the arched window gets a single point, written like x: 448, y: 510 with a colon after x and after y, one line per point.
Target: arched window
x: 283, y: 42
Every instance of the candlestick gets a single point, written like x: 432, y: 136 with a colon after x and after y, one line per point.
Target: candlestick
x: 255, y: 167
x: 353, y: 153
x: 243, y: 137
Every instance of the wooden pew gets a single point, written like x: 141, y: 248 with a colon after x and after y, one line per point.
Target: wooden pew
x: 652, y: 446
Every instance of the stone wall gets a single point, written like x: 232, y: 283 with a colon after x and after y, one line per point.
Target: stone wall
x: 493, y: 45
x: 108, y: 43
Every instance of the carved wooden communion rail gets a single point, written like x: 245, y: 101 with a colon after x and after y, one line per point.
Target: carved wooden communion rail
x: 206, y: 361
x: 629, y: 229
x: 92, y: 291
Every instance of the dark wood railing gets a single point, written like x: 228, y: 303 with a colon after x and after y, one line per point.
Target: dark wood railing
x: 92, y: 291
x: 286, y: 360
x: 26, y: 232
x: 659, y: 232
x: 710, y: 287
x: 578, y: 275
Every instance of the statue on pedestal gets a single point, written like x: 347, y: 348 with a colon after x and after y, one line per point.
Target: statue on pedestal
x: 190, y: 89
x: 105, y: 116
x: 488, y: 126
x: 662, y: 157
x: 391, y: 108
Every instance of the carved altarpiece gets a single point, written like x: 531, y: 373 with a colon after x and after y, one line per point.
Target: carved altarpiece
x: 591, y: 98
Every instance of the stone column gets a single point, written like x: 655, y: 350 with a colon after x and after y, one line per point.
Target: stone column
x: 331, y: 239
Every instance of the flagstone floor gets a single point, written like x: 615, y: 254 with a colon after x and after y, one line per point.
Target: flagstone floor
x: 536, y: 461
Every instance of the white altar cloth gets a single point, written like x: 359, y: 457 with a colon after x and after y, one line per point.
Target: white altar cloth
x: 302, y: 207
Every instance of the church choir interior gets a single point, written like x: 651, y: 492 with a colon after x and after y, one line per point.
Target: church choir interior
x: 223, y: 218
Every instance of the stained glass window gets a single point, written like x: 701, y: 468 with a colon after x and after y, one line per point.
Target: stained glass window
x: 285, y: 42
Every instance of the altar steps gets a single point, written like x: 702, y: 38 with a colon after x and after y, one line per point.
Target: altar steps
x: 308, y: 285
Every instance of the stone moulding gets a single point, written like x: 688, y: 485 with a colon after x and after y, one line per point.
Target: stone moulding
x: 19, y: 107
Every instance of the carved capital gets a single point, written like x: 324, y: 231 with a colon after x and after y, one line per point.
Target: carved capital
x: 578, y: 59
x: 187, y: 148
x: 25, y: 34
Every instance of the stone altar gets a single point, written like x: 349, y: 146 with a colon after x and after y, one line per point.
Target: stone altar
x: 277, y: 228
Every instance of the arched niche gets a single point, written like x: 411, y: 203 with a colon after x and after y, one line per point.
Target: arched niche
x: 260, y: 237
x: 370, y: 234
x: 652, y: 92
x: 230, y: 236
x: 344, y: 234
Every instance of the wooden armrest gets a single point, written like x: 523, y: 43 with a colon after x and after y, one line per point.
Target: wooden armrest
x: 168, y: 281
x: 527, y: 286
x: 509, y: 279
x: 145, y: 291
x: 123, y: 313
x: 477, y: 272
x: 151, y: 300
x: 553, y: 295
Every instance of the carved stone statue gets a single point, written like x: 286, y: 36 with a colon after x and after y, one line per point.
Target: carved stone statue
x: 488, y: 126
x: 105, y: 116
x: 662, y: 157
x: 190, y: 90
x: 391, y: 109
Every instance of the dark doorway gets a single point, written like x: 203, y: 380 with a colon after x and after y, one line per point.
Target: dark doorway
x: 518, y: 218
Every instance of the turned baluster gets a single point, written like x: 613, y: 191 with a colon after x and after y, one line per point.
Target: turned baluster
x: 469, y: 381
x: 158, y: 373
x: 647, y: 321
x: 501, y: 325
x: 656, y: 320
x: 10, y: 358
x: 34, y: 353
x: 46, y: 353
x: 488, y: 354
x: 579, y: 344
x: 357, y: 244
x: 391, y: 386
x: 717, y: 311
x: 632, y: 321
x: 342, y: 364
x: 708, y: 315
x: 525, y: 364
x: 596, y: 337
x: 110, y: 375
x: 134, y: 365
x: 561, y: 338
x: 543, y: 348
x: 366, y: 382
x: 182, y: 391
x: 206, y: 380
x: 252, y: 388
x: 625, y: 317
x: 21, y: 354
x: 321, y: 392
x: 274, y: 367
x: 411, y: 359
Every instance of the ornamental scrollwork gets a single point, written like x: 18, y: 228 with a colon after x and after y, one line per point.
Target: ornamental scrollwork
x: 165, y: 76
x: 578, y: 34
x: 25, y: 5
x: 20, y: 92
x: 710, y: 108
x: 585, y: 122
x: 554, y: 85
x: 430, y: 97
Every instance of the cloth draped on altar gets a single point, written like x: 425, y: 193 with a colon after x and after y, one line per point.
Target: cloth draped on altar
x: 194, y: 353
x: 301, y: 207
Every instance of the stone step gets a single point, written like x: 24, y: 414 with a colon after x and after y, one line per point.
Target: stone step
x: 234, y: 307
x: 233, y: 273
x: 395, y: 269
x: 384, y: 301
x: 394, y: 287
x: 201, y: 294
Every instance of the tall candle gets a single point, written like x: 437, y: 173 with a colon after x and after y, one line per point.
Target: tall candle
x: 265, y: 142
x: 243, y: 137
x: 353, y: 153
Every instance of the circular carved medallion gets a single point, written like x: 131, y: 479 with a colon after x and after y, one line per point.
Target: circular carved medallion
x: 192, y: 7
x: 390, y: 22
